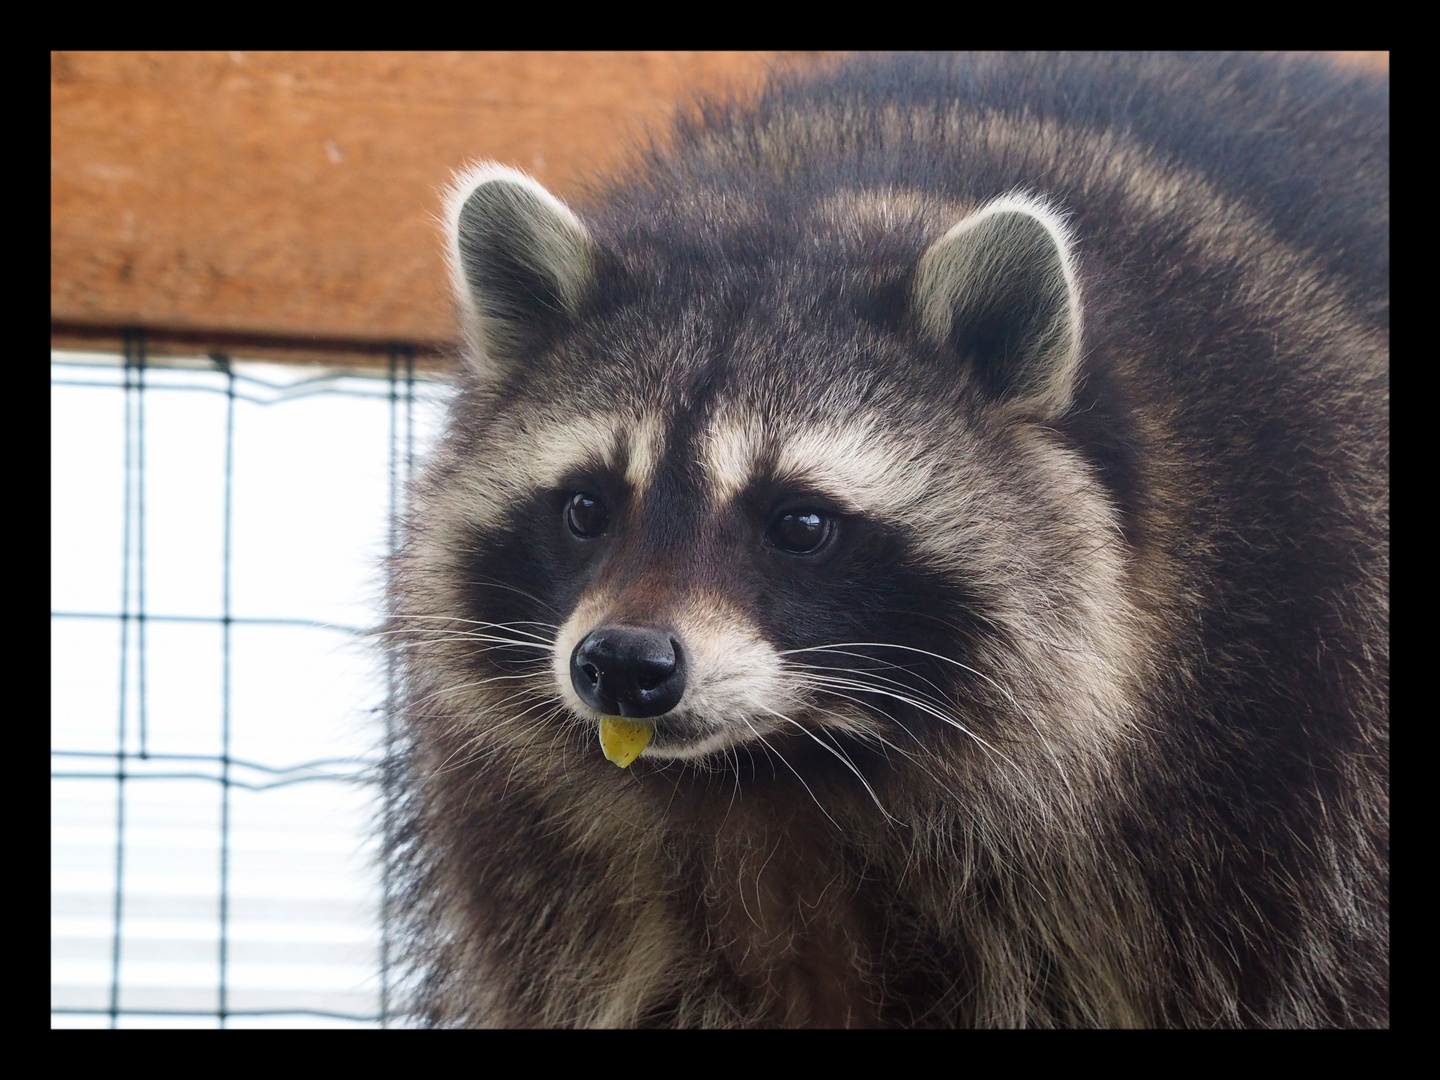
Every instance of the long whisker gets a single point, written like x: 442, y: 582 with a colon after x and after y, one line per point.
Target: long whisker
x: 528, y: 595
x: 913, y: 702
x: 491, y: 641
x: 823, y: 668
x: 842, y: 757
x: 776, y: 754
x: 476, y: 622
x: 1040, y: 734
x: 833, y: 679
x: 465, y: 627
x: 472, y: 684
x: 873, y: 736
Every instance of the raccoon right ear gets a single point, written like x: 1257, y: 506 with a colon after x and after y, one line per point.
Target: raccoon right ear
x: 522, y: 261
x: 999, y: 288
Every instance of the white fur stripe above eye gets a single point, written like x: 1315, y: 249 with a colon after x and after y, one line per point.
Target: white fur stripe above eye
x: 644, y: 444
x: 859, y: 467
x: 730, y: 452
x: 561, y: 447
x: 558, y: 447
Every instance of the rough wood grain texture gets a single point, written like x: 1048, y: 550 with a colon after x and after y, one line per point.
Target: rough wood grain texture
x: 291, y: 198
x: 284, y: 204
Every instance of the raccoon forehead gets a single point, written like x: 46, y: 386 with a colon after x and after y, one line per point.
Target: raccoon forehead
x: 862, y: 466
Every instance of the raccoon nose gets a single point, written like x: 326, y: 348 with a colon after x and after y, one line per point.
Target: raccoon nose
x: 627, y: 671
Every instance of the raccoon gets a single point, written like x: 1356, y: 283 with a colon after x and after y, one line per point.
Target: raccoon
x: 955, y: 490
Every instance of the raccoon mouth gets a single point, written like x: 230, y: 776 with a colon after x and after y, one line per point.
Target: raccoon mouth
x: 673, y: 738
x: 623, y: 740
x: 677, y: 736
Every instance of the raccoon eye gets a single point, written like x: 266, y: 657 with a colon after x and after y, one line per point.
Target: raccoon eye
x: 802, y: 532
x: 586, y: 516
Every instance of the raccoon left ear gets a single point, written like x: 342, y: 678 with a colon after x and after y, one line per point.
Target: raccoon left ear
x: 1000, y: 289
x: 522, y: 262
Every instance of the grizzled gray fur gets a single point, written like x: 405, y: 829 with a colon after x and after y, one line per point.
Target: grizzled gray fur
x: 967, y: 478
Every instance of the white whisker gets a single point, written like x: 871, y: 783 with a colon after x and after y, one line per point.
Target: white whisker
x: 774, y: 754
x: 1039, y: 732
x: 843, y: 758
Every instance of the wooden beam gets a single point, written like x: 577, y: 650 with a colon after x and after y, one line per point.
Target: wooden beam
x: 291, y: 199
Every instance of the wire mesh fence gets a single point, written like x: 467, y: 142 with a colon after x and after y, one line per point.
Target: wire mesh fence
x: 220, y: 709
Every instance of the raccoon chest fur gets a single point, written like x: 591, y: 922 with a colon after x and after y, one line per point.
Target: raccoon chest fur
x: 914, y: 552
x: 786, y: 915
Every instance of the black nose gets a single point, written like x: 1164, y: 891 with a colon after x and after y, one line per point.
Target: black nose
x: 626, y: 671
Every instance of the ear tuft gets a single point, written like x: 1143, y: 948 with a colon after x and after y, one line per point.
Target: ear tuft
x: 1000, y: 289
x: 521, y: 259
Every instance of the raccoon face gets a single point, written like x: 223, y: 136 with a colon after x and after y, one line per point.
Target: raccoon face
x: 732, y: 528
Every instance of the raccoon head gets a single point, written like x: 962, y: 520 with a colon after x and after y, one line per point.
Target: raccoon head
x: 706, y: 501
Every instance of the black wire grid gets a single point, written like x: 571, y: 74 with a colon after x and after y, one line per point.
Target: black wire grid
x: 226, y: 771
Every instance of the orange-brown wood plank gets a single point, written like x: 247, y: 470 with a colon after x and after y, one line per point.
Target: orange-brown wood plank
x: 220, y: 197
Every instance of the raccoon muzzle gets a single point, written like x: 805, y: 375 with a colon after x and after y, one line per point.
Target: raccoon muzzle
x: 628, y: 671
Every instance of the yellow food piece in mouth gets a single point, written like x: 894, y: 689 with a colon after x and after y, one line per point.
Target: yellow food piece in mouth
x: 622, y: 740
